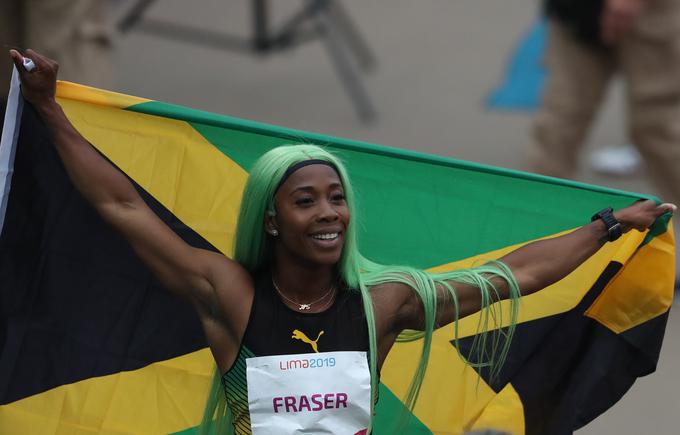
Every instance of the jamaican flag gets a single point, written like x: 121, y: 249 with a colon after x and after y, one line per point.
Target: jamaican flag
x: 90, y: 342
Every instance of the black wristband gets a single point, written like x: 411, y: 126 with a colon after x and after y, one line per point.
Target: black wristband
x: 613, y: 226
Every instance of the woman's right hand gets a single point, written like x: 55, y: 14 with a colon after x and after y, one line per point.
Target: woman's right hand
x: 39, y: 85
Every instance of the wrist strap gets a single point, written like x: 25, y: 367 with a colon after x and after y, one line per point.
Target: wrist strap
x: 613, y: 226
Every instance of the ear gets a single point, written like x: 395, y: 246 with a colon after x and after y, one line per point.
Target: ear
x: 270, y: 224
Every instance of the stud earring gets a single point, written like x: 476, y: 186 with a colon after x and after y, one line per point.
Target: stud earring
x: 274, y: 232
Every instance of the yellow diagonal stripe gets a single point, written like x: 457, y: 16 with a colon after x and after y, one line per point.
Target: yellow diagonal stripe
x: 461, y: 397
x: 164, y: 397
x: 168, y: 396
x: 171, y: 161
x: 505, y: 407
x: 559, y: 297
x: 643, y: 290
x: 86, y: 94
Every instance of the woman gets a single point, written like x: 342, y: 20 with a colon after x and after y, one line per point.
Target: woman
x: 298, y: 285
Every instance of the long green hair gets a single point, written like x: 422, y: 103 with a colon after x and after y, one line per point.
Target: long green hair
x: 253, y: 250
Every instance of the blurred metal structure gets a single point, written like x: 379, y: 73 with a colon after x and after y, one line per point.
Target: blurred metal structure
x: 325, y: 19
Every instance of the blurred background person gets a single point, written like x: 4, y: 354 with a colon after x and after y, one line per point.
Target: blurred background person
x: 590, y: 41
x: 76, y: 33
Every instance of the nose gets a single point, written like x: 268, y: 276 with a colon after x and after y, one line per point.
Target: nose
x: 327, y: 212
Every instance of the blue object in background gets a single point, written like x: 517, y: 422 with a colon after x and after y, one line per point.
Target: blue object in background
x: 524, y: 74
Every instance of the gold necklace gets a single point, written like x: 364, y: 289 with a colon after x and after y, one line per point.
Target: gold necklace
x: 330, y: 300
x: 303, y: 307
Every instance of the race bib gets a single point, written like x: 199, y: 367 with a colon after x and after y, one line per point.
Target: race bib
x: 320, y: 393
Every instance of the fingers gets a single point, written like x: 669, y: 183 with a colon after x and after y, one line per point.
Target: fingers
x: 667, y: 207
x: 40, y: 61
x: 650, y: 206
x: 643, y: 213
x: 17, y: 58
x: 37, y: 72
x: 15, y: 55
x: 18, y: 61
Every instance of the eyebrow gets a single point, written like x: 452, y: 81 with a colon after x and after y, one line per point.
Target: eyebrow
x: 312, y: 189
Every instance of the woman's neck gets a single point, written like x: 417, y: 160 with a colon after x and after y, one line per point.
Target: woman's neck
x: 301, y: 282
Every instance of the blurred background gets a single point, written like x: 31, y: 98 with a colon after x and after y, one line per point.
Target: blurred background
x: 457, y: 78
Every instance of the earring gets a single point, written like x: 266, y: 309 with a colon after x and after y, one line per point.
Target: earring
x: 274, y: 232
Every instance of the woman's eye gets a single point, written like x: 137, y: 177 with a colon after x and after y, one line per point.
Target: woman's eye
x: 338, y: 197
x: 304, y: 201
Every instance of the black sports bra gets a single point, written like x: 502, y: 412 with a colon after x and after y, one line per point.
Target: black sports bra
x: 275, y: 329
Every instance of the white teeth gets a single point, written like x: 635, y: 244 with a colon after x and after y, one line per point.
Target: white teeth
x: 327, y: 236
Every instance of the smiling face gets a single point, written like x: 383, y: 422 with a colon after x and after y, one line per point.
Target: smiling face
x: 311, y: 216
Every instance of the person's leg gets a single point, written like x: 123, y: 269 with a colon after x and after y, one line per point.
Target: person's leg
x: 650, y: 60
x: 577, y: 80
x: 76, y: 34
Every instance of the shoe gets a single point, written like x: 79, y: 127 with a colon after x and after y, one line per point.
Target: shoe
x: 618, y: 161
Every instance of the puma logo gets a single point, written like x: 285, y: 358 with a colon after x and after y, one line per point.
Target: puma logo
x: 299, y: 335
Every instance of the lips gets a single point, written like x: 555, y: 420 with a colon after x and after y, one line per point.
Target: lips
x: 327, y: 238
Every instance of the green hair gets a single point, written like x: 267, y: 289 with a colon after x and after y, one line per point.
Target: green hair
x: 253, y: 250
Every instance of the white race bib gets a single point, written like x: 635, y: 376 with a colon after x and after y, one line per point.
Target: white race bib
x: 320, y: 393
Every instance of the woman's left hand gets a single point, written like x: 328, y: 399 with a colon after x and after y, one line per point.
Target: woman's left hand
x: 39, y: 85
x: 642, y: 214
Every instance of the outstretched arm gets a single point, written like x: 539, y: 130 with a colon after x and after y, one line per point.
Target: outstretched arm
x: 542, y: 263
x: 535, y: 265
x: 203, y: 277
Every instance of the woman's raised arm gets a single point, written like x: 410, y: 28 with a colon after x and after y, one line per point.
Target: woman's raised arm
x: 212, y: 282
x: 535, y: 265
x: 542, y: 263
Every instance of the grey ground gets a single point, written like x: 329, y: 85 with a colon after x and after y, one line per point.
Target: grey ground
x: 438, y: 59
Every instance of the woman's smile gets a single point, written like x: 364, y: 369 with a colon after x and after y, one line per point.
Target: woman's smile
x: 328, y: 239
